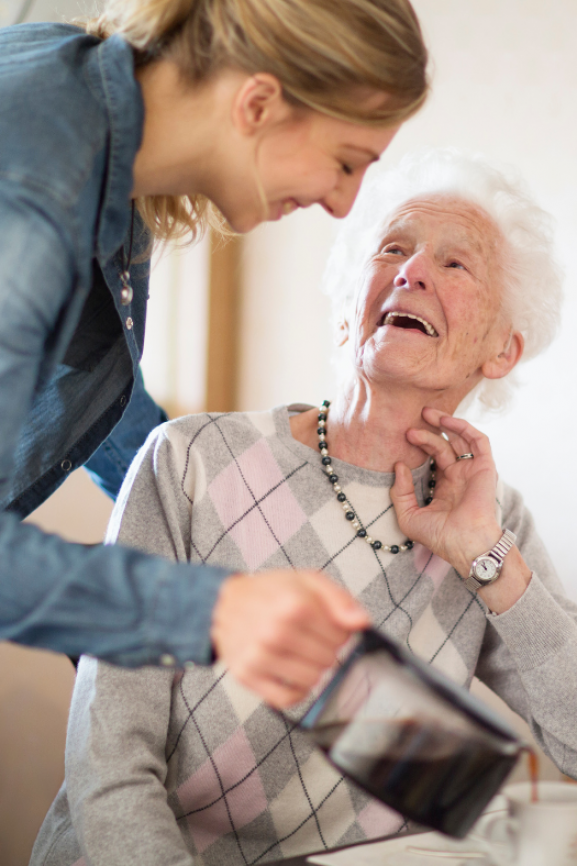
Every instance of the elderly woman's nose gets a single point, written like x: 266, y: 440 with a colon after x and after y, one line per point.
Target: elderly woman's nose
x: 414, y: 274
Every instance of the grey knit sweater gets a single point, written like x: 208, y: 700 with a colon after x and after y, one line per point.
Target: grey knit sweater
x: 192, y: 768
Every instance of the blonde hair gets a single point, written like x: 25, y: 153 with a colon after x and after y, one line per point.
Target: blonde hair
x: 321, y: 51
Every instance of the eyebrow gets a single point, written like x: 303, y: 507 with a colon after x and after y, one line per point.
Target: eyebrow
x: 374, y: 156
x: 464, y: 242
x: 462, y: 238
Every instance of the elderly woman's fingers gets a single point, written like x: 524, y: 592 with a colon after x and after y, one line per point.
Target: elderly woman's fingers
x: 476, y: 442
x: 463, y: 436
x: 434, y: 417
x: 434, y: 445
x: 403, y: 497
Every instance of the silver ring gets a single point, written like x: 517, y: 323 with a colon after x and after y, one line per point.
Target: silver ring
x: 468, y: 456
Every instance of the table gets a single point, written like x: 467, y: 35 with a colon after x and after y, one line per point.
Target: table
x: 425, y: 837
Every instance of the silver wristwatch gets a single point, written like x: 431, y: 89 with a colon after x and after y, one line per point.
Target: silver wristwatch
x: 486, y: 568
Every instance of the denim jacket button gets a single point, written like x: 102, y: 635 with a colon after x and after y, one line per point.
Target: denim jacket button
x: 129, y: 323
x: 66, y: 465
x: 122, y: 402
x: 126, y: 295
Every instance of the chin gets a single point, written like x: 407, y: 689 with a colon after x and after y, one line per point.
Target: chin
x: 245, y: 216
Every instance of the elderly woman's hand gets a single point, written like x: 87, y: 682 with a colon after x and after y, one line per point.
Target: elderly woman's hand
x: 461, y: 522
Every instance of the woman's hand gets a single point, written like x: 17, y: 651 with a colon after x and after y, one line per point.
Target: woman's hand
x: 279, y: 631
x: 461, y: 521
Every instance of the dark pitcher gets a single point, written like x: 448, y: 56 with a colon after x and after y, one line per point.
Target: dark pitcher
x: 411, y: 737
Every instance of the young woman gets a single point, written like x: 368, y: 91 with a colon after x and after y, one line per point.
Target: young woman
x: 131, y: 129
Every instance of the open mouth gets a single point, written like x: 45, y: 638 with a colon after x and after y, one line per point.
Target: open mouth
x: 408, y: 321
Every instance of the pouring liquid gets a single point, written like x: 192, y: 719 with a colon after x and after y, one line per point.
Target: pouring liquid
x: 533, y: 760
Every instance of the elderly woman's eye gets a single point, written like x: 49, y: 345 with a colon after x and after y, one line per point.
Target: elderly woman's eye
x: 454, y: 264
x: 346, y: 168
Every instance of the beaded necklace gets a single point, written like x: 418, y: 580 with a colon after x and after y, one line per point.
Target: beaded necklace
x: 350, y: 513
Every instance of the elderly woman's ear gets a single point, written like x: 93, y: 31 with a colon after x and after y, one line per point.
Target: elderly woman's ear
x: 501, y: 364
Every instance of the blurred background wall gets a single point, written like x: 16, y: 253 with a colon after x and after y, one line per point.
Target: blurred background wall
x: 504, y: 82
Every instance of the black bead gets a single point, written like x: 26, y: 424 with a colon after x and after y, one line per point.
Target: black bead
x: 350, y: 515
x: 322, y: 416
x: 321, y: 431
x: 322, y: 444
x: 395, y: 548
x: 341, y: 497
x: 432, y: 483
x: 377, y: 545
x: 333, y: 478
x: 326, y: 461
x: 362, y: 533
x: 409, y: 544
x: 326, y: 403
x: 433, y: 465
x: 428, y: 500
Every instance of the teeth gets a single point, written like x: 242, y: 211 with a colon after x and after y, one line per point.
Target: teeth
x: 427, y: 325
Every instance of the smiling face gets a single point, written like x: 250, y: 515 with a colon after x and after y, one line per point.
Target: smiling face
x: 291, y: 157
x: 318, y: 160
x: 428, y: 313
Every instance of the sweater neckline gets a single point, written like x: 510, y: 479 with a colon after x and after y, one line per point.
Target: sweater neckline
x: 370, y: 477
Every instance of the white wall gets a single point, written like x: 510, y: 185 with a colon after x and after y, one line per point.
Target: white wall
x: 505, y: 79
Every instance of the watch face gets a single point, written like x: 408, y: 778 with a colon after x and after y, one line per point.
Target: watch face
x: 486, y: 569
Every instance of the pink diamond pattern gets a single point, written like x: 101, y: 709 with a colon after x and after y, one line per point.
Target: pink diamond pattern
x: 234, y: 759
x: 378, y: 820
x: 437, y: 569
x: 258, y: 531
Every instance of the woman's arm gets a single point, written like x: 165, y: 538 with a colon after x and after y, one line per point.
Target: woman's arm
x: 120, y: 604
x: 116, y: 768
x: 529, y: 656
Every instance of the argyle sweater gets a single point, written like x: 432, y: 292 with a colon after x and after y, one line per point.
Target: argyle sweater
x: 176, y: 769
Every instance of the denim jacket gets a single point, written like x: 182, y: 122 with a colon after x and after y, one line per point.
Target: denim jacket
x: 71, y: 120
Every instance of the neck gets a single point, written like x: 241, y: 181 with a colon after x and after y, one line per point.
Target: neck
x: 367, y: 426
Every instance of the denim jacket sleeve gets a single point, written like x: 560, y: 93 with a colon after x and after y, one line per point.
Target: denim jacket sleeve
x: 121, y: 605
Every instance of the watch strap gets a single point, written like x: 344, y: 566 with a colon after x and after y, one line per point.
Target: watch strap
x: 498, y: 553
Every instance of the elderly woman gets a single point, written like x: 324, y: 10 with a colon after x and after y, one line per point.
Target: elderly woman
x: 449, y: 260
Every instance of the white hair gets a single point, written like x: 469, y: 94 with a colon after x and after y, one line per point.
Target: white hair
x: 532, y: 279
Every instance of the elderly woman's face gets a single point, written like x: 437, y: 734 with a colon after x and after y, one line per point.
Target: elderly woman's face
x: 428, y: 311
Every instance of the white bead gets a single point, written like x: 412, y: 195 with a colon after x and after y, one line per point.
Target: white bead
x: 322, y: 423
x: 369, y: 539
x: 337, y: 487
x: 355, y: 524
x: 386, y: 548
x: 324, y: 452
x: 346, y: 506
x: 328, y: 469
x: 404, y: 547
